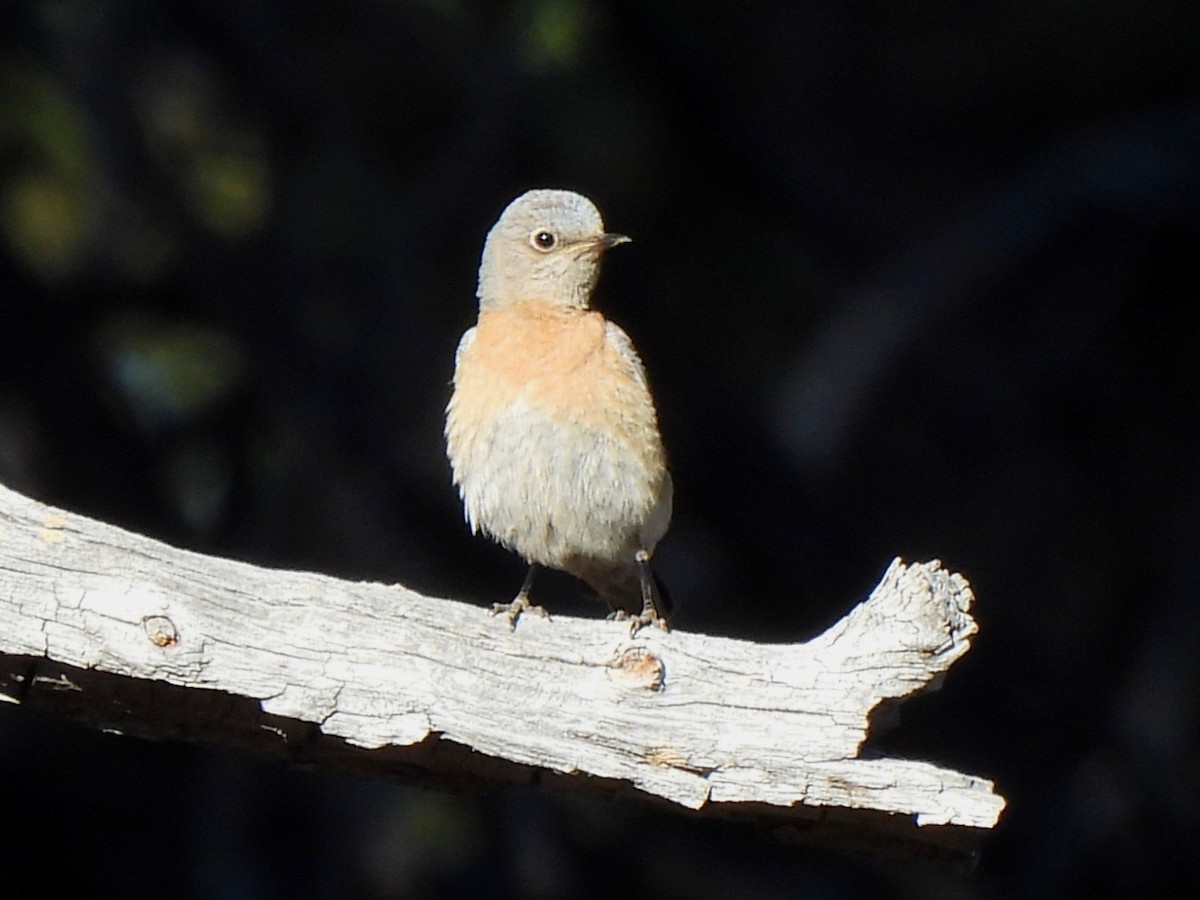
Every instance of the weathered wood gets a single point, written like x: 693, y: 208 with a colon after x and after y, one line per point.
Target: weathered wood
x: 135, y: 636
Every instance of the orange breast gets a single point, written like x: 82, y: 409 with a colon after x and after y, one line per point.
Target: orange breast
x: 551, y: 358
x: 553, y: 437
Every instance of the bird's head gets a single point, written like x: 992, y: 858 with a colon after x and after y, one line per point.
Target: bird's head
x: 546, y: 246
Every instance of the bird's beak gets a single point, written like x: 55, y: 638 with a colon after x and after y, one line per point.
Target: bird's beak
x: 608, y: 241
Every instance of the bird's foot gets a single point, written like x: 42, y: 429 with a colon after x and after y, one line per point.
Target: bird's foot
x: 638, y: 622
x: 649, y: 614
x: 516, y: 608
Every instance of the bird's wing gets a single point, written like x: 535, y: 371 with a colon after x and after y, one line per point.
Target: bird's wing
x: 463, y: 344
x: 628, y: 354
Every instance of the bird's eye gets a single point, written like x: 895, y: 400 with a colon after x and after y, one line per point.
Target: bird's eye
x: 543, y: 240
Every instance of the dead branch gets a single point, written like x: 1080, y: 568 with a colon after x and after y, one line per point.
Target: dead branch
x: 134, y: 636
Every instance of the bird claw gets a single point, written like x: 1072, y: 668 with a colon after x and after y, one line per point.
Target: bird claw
x: 519, y: 605
x: 638, y: 622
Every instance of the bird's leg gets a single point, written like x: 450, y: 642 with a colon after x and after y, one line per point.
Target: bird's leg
x: 650, y: 614
x: 520, y: 603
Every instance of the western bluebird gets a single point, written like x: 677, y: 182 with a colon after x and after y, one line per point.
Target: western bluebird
x: 551, y: 430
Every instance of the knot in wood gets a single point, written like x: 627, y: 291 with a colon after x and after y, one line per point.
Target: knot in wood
x: 638, y: 667
x: 161, y: 631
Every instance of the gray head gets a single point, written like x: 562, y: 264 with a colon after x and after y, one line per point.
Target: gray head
x: 546, y: 245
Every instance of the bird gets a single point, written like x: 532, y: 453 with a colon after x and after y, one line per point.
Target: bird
x: 551, y: 429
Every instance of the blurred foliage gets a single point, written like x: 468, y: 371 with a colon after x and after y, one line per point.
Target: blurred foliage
x: 556, y: 32
x: 907, y: 280
x: 168, y: 372
x: 48, y: 204
x: 219, y: 162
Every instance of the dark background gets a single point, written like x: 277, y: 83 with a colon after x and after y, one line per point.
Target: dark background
x: 909, y: 279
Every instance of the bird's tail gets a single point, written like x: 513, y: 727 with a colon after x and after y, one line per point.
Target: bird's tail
x: 621, y: 589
